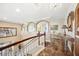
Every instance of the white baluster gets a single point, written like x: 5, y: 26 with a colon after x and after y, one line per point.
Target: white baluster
x: 0, y: 53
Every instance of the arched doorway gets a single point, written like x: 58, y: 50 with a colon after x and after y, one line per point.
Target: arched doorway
x: 43, y: 26
x: 31, y: 27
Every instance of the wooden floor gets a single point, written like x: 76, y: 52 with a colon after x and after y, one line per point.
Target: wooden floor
x: 55, y: 48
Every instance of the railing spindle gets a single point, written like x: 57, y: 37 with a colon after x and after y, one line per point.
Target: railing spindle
x: 44, y: 39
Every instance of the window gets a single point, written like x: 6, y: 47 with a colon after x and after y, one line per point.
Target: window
x: 31, y: 27
x: 42, y: 26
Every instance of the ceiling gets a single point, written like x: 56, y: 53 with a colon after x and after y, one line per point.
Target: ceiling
x: 23, y: 12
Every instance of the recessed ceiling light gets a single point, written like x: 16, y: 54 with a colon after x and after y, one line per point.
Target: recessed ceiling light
x: 4, y: 18
x: 17, y: 10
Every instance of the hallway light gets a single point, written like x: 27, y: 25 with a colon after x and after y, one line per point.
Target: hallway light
x: 54, y: 5
x: 17, y: 10
x: 4, y: 18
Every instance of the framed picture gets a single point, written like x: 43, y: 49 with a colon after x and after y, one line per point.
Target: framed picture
x: 7, y: 32
x: 54, y: 27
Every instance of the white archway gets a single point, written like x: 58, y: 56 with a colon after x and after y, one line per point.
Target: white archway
x: 31, y: 27
x: 43, y: 26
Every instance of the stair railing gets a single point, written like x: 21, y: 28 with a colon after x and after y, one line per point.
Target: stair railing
x: 21, y: 48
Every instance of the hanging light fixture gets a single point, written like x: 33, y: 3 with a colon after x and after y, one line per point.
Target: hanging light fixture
x: 17, y: 10
x: 54, y: 5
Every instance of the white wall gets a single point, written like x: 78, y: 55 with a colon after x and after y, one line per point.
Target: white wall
x: 31, y: 11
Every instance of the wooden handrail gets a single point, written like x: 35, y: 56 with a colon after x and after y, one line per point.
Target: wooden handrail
x: 15, y: 43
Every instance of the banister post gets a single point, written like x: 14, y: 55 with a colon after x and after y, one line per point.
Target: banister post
x: 0, y: 53
x: 72, y: 47
x: 44, y: 39
x: 38, y: 37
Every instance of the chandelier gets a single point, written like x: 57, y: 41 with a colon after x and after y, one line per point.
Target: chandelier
x: 52, y: 5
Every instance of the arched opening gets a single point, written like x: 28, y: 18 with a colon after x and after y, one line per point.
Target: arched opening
x: 31, y: 27
x: 43, y: 26
x: 23, y: 29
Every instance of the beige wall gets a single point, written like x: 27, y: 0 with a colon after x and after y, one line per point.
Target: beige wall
x: 14, y: 38
x: 18, y: 26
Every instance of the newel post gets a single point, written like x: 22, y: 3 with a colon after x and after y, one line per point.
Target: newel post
x: 44, y: 39
x: 72, y: 46
x: 38, y: 38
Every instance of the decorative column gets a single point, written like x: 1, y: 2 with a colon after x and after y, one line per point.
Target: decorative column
x: 44, y: 39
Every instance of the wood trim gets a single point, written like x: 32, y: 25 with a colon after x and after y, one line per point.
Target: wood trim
x: 75, y: 47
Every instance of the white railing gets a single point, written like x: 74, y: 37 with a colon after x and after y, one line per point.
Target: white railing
x: 24, y: 47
